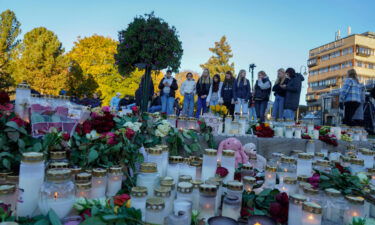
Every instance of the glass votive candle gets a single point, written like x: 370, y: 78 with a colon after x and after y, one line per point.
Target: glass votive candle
x: 173, y: 168
x: 178, y: 219
x: 287, y: 168
x: 315, y: 134
x: 184, y: 191
x: 228, y: 161
x: 165, y: 156
x: 355, y: 208
x: 288, y: 131
x: 3, y: 176
x: 367, y: 156
x: 357, y: 165
x: 235, y: 188
x: 155, y: 210
x: 190, y: 169
x: 318, y: 155
x: 184, y: 178
x: 8, y: 195
x: 183, y: 206
x: 114, y: 180
x: 83, y: 177
x: 311, y: 214
x: 295, y: 209
x: 247, y: 170
x: 83, y: 190
x: 74, y: 170
x: 310, y: 146
x: 276, y: 158
x: 207, y: 200
x: 148, y: 177
x: 218, y: 182
x: 322, y: 165
x: 249, y: 183
x: 289, y: 185
x: 99, y: 183
x: 165, y: 193
x: 334, y: 208
x: 57, y: 193
x: 270, y: 177
x: 304, y: 164
x: 209, y: 164
x: 169, y: 183
x: 138, y: 199
x: 297, y: 132
x: 312, y: 195
x: 231, y: 207
x: 57, y: 156
x: 154, y: 155
x: 195, y: 194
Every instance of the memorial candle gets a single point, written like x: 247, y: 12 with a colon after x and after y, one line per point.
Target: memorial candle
x: 311, y: 214
x: 288, y: 131
x: 138, y: 199
x: 155, y: 156
x: 304, y: 164
x: 371, y: 171
x: 287, y: 168
x: 357, y: 165
x: 165, y: 157
x: 169, y: 183
x: 231, y: 207
x: 114, y: 180
x: 248, y: 183
x: 289, y: 185
x: 155, y: 210
x: 173, y: 168
x: 207, y: 201
x: 367, y: 156
x: 310, y: 146
x: 209, y: 163
x: 8, y: 195
x: 183, y: 206
x: 228, y: 161
x: 270, y: 177
x: 355, y: 208
x: 334, y: 207
x: 295, y: 209
x: 83, y: 190
x: 165, y: 193
x: 99, y: 183
x: 195, y: 194
x: 315, y: 134
x: 148, y: 177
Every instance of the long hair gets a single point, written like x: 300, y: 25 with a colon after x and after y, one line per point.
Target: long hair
x: 215, y: 85
x: 278, y: 80
x: 241, y: 79
x: 352, y: 73
x: 230, y: 80
x: 291, y: 72
x: 205, y: 80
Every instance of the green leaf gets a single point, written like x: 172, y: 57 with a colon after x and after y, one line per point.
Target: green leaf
x: 14, y: 135
x: 21, y: 144
x: 3, y: 154
x: 53, y: 218
x: 43, y: 221
x: 37, y: 147
x: 260, y: 212
x: 93, y: 155
x: 12, y: 124
x: 95, y: 220
x: 6, y: 163
x: 187, y: 148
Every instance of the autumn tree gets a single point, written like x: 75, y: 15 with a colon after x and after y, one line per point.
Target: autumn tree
x: 9, y: 31
x: 41, y: 62
x: 219, y: 62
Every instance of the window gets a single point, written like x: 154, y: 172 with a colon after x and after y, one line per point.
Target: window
x: 346, y: 64
x: 334, y: 54
x: 359, y: 63
x: 311, y: 62
x: 365, y: 51
x: 371, y: 66
x: 325, y: 57
x: 335, y: 67
x: 323, y: 70
x: 347, y: 51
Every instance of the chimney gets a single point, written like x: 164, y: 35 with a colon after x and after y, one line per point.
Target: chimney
x: 349, y: 30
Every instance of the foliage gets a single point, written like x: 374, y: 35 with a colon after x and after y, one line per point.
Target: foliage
x: 219, y: 62
x: 206, y: 132
x: 79, y: 84
x: 258, y: 204
x: 358, y: 221
x: 50, y: 219
x: 183, y: 142
x: 9, y: 31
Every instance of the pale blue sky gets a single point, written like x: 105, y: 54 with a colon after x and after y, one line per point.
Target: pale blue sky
x: 271, y: 34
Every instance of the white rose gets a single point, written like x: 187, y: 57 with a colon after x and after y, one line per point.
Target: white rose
x: 159, y: 133
x: 137, y: 126
x: 163, y: 129
x: 93, y: 135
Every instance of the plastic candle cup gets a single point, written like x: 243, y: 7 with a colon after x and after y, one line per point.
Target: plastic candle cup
x: 295, y: 209
x: 114, y: 180
x: 83, y: 190
x: 169, y: 183
x: 228, y: 161
x: 367, y: 156
x: 207, y: 201
x: 183, y: 206
x: 270, y: 177
x: 311, y: 214
x: 74, y: 171
x: 155, y: 156
x: 209, y: 163
x: 289, y: 185
x: 184, y: 191
x: 165, y: 156
x: 235, y: 188
x: 57, y: 156
x: 99, y: 183
x: 30, y: 181
x: 148, y: 177
x: 312, y: 195
x: 322, y: 165
x: 289, y: 132
x: 310, y: 128
x: 189, y: 168
x: 310, y: 146
x: 218, y: 182
x: 83, y: 177
x: 180, y: 219
x: 195, y: 194
x: 184, y: 178
x: 231, y: 207
x: 287, y: 168
x: 318, y: 155
x: 355, y: 208
x: 335, y: 207
x: 357, y: 165
x: 155, y: 210
x: 304, y: 164
x: 247, y: 170
x: 165, y: 194
x: 173, y: 168
x: 138, y: 199
x: 8, y: 195
x: 248, y: 183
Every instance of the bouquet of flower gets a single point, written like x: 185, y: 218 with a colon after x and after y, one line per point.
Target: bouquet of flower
x: 263, y: 130
x: 329, y: 139
x: 305, y: 136
x: 219, y: 109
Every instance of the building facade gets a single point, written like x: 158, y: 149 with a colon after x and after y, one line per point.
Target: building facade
x: 329, y: 63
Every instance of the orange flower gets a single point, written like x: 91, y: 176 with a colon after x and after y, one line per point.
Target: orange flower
x: 258, y: 128
x: 266, y: 125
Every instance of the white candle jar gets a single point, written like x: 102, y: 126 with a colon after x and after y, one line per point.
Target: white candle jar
x: 235, y: 188
x: 297, y: 132
x: 83, y: 177
x: 231, y: 207
x: 209, y: 163
x: 155, y: 210
x: 248, y: 183
x: 227, y: 124
x: 180, y: 219
x: 295, y: 209
x: 195, y: 193
x: 207, y: 200
x: 287, y: 168
x: 356, y: 136
x: 313, y: 195
x: 8, y: 195
x: 148, y: 177
x: 315, y: 134
x: 357, y: 165
x: 99, y: 183
x: 30, y: 181
x: 114, y: 180
x: 218, y: 182
x: 304, y: 164
x: 184, y: 191
x: 310, y: 146
x: 334, y: 156
x: 165, y: 194
x: 83, y: 190
x: 247, y: 170
x: 228, y: 161
x: 276, y: 158
x: 189, y: 169
x: 173, y: 168
x: 311, y: 214
x: 289, y: 132
x: 364, y: 136
x: 183, y: 206
x: 270, y: 177
x: 310, y: 128
x: 138, y: 199
x: 155, y: 156
x: 184, y: 178
x: 355, y: 209
x: 172, y: 120
x: 322, y: 165
x: 337, y: 133
x: 182, y: 122
x: 318, y: 156
x: 58, y: 165
x: 345, y: 161
x: 289, y: 185
x: 334, y: 208
x: 74, y: 170
x: 367, y: 156
x: 57, y: 193
x: 279, y: 131
x: 169, y: 183
x: 165, y: 157
x: 57, y: 156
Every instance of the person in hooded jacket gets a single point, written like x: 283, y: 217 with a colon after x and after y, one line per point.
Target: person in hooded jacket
x: 241, y: 93
x: 203, y: 89
x: 262, y: 91
x: 213, y: 97
x: 226, y: 95
x: 293, y: 93
x: 168, y: 87
x: 278, y: 104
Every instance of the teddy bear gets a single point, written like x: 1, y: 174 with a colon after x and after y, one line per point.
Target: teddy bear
x: 235, y: 145
x: 251, y: 150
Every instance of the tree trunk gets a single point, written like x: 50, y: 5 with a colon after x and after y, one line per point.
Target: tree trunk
x: 145, y: 89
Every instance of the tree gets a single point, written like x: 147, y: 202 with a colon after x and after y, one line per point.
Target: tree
x: 77, y: 83
x: 219, y: 62
x: 148, y: 43
x: 41, y: 62
x: 9, y: 31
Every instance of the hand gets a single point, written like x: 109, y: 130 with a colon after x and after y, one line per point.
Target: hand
x: 166, y: 84
x: 208, y: 104
x: 203, y: 96
x: 341, y: 105
x: 235, y: 102
x: 283, y: 86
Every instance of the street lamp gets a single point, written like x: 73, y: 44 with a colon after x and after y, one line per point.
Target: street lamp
x: 251, y: 69
x: 300, y: 70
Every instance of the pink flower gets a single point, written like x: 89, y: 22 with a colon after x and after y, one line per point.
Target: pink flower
x: 106, y: 109
x: 314, y: 180
x: 65, y: 136
x: 18, y: 121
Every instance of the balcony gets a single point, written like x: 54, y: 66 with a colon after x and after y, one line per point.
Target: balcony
x: 312, y: 62
x: 312, y: 98
x: 364, y: 51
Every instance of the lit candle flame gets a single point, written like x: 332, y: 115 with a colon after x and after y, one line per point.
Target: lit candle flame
x: 283, y: 188
x: 257, y: 223
x: 55, y: 195
x: 310, y: 217
x: 207, y: 206
x: 269, y: 176
x: 285, y: 170
x: 355, y: 214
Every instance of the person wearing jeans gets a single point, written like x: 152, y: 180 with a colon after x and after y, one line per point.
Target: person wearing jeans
x: 226, y: 95
x: 241, y: 93
x: 293, y: 92
x: 213, y: 97
x: 278, y: 105
x: 252, y: 111
x: 203, y: 88
x: 168, y: 86
x: 188, y: 90
x: 262, y: 94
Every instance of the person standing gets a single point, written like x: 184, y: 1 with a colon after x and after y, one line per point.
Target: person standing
x: 351, y: 97
x: 278, y: 105
x: 262, y: 94
x: 227, y: 92
x: 203, y: 88
x: 188, y: 91
x: 168, y: 86
x: 293, y: 93
x: 215, y: 91
x: 241, y: 93
x: 252, y: 111
x: 115, y: 101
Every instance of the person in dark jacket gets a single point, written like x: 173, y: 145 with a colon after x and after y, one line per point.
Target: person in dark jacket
x: 138, y: 92
x: 278, y: 105
x: 126, y: 102
x: 177, y: 107
x: 202, y: 90
x: 241, y: 93
x: 95, y: 101
x: 262, y: 91
x: 155, y: 103
x: 85, y: 100
x: 227, y: 92
x: 293, y: 92
x: 168, y: 87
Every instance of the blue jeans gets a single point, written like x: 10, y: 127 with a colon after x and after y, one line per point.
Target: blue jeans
x: 278, y: 107
x: 201, y: 106
x: 188, y: 109
x: 167, y: 104
x: 214, y: 102
x: 253, y: 114
x: 289, y: 114
x: 260, y: 108
x: 242, y: 103
x: 155, y: 108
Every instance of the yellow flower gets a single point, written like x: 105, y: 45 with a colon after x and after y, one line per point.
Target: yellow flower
x: 128, y: 203
x: 212, y: 107
x: 266, y: 125
x: 217, y: 108
x: 115, y: 209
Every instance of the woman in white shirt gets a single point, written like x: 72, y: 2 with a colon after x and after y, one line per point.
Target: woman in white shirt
x: 188, y: 91
x: 213, y: 97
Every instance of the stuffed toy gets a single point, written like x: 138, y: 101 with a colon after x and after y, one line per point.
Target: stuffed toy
x: 235, y: 145
x: 251, y: 150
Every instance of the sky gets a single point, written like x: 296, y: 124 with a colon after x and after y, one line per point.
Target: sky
x: 272, y: 34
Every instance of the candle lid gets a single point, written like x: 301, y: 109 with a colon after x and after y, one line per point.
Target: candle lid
x: 303, y: 178
x: 270, y: 168
x: 231, y: 200
x: 12, y: 178
x: 168, y: 184
x: 297, y: 199
x: 32, y: 157
x: 7, y: 189
x: 319, y: 154
x: 310, y: 191
x: 235, y: 185
x: 216, y: 179
x: 195, y: 163
x: 99, y: 172
x: 208, y: 189
x: 277, y: 155
x: 211, y: 152
x: 286, y: 159
x: 323, y: 163
x: 83, y: 177
x: 58, y: 165
x: 56, y: 155
x: 84, y: 186
x: 58, y: 174
x: 155, y: 204
x: 187, y: 161
x: 332, y: 192
x: 305, y: 156
x: 311, y: 141
x: 169, y: 179
x: 115, y: 170
x: 148, y: 167
x: 163, y: 192
x: 3, y: 175
x: 366, y: 151
x: 139, y: 191
x: 357, y: 161
x: 23, y: 85
x: 196, y: 183
x: 345, y: 159
x: 371, y: 170
x: 192, y: 119
x: 355, y: 199
x: 247, y: 167
x: 249, y: 180
x: 290, y: 180
x: 75, y: 170
x: 154, y: 151
x: 312, y: 207
x: 172, y: 116
x: 289, y: 127
x: 303, y: 184
x: 185, y: 187
x: 184, y: 178
x: 296, y: 152
x: 175, y: 159
x: 164, y: 148
x: 280, y: 120
x: 350, y: 147
x: 228, y: 153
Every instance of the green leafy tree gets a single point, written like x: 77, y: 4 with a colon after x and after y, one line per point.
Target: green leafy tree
x: 219, y: 62
x: 148, y: 43
x: 77, y: 83
x: 40, y: 61
x: 9, y: 31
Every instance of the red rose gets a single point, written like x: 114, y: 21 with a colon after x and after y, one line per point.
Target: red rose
x: 120, y: 200
x: 6, y: 208
x: 245, y: 212
x: 18, y: 121
x: 135, y: 109
x: 222, y: 172
x: 65, y: 136
x: 4, y: 98
x: 86, y: 127
x: 237, y: 176
x: 282, y: 198
x: 129, y: 133
x: 199, y: 122
x: 85, y: 213
x: 275, y: 210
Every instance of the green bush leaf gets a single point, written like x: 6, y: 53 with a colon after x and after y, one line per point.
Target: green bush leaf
x: 13, y: 135
x: 13, y: 125
x: 37, y: 147
x: 53, y: 218
x: 6, y: 163
x: 93, y: 155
